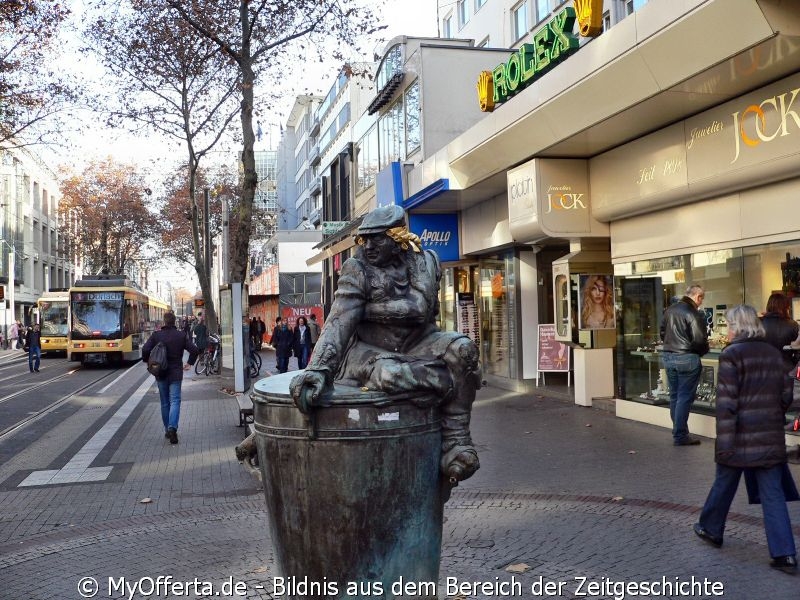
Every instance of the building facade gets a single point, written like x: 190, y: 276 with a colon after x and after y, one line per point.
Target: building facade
x: 31, y: 233
x: 636, y: 157
x: 392, y: 133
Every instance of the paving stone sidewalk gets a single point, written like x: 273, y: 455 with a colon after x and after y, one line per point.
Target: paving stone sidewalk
x: 568, y: 491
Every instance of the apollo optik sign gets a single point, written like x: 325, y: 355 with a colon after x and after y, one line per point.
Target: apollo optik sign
x: 437, y: 232
x: 552, y: 43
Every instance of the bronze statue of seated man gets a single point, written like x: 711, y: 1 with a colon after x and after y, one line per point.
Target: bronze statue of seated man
x: 381, y: 334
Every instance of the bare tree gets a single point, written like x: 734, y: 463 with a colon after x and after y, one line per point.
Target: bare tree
x: 258, y: 36
x: 31, y: 89
x: 171, y: 80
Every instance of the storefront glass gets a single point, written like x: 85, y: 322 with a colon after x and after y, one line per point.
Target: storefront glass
x: 498, y: 310
x: 447, y: 303
x: 457, y: 304
x: 729, y: 277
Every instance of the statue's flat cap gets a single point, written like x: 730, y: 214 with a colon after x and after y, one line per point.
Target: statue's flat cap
x: 381, y: 219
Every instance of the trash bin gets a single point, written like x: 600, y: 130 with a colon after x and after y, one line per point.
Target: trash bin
x: 353, y: 491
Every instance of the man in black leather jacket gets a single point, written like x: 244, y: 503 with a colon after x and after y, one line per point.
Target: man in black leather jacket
x: 685, y: 341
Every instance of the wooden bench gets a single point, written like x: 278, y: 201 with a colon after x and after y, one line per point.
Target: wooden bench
x: 245, y: 409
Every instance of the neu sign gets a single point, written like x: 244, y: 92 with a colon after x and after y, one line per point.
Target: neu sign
x: 552, y: 43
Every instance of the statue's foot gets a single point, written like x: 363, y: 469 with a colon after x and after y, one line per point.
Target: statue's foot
x: 460, y: 463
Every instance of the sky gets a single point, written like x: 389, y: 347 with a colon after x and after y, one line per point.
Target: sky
x: 155, y: 157
x: 402, y: 17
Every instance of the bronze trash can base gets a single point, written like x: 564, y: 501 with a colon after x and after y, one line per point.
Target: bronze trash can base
x: 353, y: 493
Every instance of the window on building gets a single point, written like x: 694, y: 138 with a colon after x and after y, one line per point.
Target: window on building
x: 542, y: 9
x: 606, y: 21
x: 412, y: 107
x: 391, y: 129
x: 519, y: 20
x: 463, y: 13
x: 630, y: 6
x: 367, y: 159
x: 447, y: 26
x: 478, y: 4
x: 392, y: 63
x: 484, y: 43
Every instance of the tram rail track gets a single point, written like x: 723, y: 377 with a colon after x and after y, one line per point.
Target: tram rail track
x: 11, y: 429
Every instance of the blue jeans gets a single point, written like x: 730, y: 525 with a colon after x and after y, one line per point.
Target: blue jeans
x: 302, y: 360
x: 282, y: 363
x: 773, y: 504
x: 170, y: 392
x: 683, y: 375
x: 37, y: 353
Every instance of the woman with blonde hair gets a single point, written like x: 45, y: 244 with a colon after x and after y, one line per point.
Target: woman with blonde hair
x: 597, y: 306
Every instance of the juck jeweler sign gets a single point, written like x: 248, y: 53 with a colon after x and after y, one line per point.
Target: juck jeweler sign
x: 552, y: 43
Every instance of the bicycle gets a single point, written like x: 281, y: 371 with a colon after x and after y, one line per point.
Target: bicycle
x: 209, y: 361
x: 254, y: 365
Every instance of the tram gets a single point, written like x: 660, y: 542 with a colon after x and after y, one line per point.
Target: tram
x: 52, y: 315
x: 110, y: 319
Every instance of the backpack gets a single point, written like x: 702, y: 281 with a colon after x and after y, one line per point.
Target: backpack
x: 157, y: 363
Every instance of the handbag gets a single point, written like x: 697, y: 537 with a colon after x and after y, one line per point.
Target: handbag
x: 787, y: 483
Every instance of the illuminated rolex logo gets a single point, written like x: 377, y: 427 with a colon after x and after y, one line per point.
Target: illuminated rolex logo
x: 552, y: 43
x: 486, y: 91
x: 590, y: 17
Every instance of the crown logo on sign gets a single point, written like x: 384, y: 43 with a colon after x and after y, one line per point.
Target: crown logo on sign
x: 486, y: 91
x: 590, y: 17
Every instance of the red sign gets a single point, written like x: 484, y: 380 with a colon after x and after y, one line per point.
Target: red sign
x: 290, y: 314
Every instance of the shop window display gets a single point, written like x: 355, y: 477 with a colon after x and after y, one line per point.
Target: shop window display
x: 729, y: 277
x: 647, y: 288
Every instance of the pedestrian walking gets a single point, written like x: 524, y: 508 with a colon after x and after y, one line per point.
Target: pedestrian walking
x: 301, y: 342
x: 780, y: 329
x: 275, y: 330
x: 253, y: 332
x: 21, y: 331
x: 282, y: 342
x: 33, y: 343
x: 200, y: 334
x: 685, y: 341
x: 169, y: 385
x: 13, y: 334
x: 314, y: 328
x: 262, y: 331
x: 753, y: 393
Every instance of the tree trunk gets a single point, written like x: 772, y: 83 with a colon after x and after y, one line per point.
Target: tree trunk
x: 241, y: 236
x: 200, y: 266
x: 104, y: 262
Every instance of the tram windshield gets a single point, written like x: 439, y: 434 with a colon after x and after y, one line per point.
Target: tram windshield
x: 96, y: 314
x: 53, y: 318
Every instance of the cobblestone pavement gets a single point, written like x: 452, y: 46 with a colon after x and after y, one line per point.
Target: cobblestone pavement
x: 570, y: 492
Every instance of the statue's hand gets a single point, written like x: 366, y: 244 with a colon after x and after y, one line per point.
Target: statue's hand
x: 306, y: 389
x: 460, y: 463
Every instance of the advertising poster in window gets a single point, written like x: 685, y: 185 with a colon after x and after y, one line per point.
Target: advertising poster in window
x: 468, y: 323
x: 553, y: 355
x: 596, y: 302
